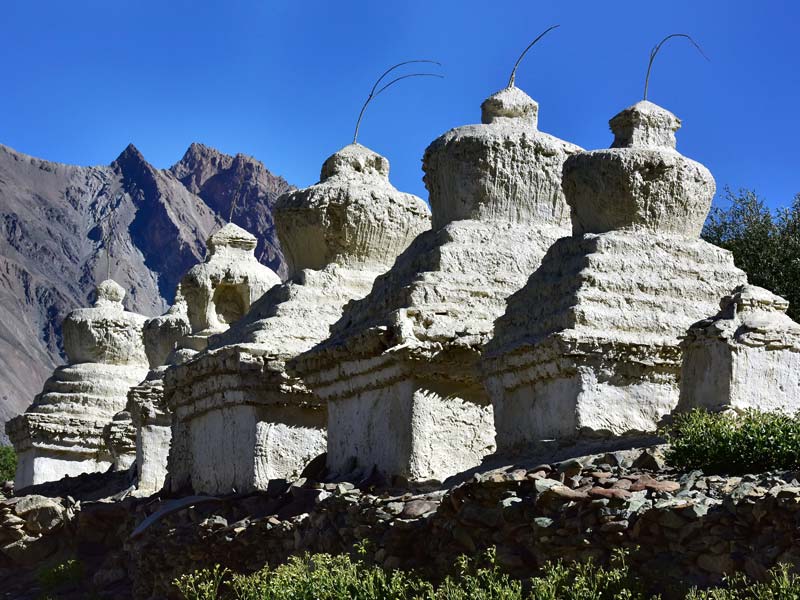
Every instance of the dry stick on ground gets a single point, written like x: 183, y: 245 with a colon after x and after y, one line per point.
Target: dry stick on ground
x: 524, y: 52
x: 657, y: 47
x: 373, y: 93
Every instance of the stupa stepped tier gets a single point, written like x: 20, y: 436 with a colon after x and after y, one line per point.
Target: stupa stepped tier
x: 398, y: 372
x: 590, y: 346
x: 210, y: 296
x: 240, y: 419
x: 746, y: 357
x: 61, y: 433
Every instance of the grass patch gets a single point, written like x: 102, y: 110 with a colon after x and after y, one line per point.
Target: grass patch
x: 734, y: 444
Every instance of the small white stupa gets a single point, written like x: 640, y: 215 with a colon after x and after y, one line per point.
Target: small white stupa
x: 61, y: 433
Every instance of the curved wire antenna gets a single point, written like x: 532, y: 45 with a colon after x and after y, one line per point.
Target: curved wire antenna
x: 373, y: 93
x: 524, y: 52
x: 657, y: 47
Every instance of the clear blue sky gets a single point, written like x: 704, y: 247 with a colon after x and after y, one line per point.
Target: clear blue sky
x: 283, y: 81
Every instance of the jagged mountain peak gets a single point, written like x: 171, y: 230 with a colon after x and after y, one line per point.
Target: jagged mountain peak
x: 130, y: 154
x: 64, y: 228
x: 134, y: 167
x: 198, y: 164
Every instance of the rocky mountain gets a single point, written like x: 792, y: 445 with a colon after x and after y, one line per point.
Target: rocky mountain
x: 64, y: 228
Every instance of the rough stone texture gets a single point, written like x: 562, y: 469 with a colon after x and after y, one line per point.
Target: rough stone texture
x: 162, y: 334
x: 220, y: 290
x: 211, y: 296
x: 120, y: 439
x: 745, y: 357
x: 59, y: 225
x: 240, y: 419
x: 152, y: 429
x: 590, y: 346
x: 398, y: 371
x: 642, y: 184
x: 61, y: 433
x: 38, y: 533
x: 680, y: 529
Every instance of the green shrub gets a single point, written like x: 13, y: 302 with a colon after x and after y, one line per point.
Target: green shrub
x: 781, y: 585
x: 326, y: 577
x: 727, y: 443
x: 202, y: 585
x: 66, y: 574
x: 577, y: 581
x: 8, y: 463
x: 321, y: 576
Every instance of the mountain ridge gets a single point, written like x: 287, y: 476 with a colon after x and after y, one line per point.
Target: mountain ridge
x: 63, y: 228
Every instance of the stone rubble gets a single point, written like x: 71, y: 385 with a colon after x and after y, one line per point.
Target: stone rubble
x: 590, y: 347
x: 62, y: 432
x: 398, y: 372
x: 240, y: 418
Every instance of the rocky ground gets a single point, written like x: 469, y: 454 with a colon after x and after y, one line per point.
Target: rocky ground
x: 680, y: 528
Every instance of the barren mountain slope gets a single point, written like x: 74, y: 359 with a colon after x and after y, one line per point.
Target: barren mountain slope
x: 63, y: 228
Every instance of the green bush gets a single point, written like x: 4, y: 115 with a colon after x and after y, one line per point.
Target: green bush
x: 320, y: 576
x: 8, y: 463
x: 66, y: 574
x: 727, y: 443
x: 326, y: 577
x: 781, y: 585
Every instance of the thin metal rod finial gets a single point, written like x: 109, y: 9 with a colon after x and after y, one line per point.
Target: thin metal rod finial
x: 374, y: 92
x: 657, y: 47
x: 524, y: 52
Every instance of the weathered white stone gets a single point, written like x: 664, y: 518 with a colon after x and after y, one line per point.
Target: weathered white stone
x: 152, y: 429
x: 61, y: 433
x: 163, y: 334
x: 745, y: 357
x: 590, y: 346
x: 220, y: 290
x: 398, y: 371
x: 120, y: 438
x: 240, y: 418
x: 210, y: 296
